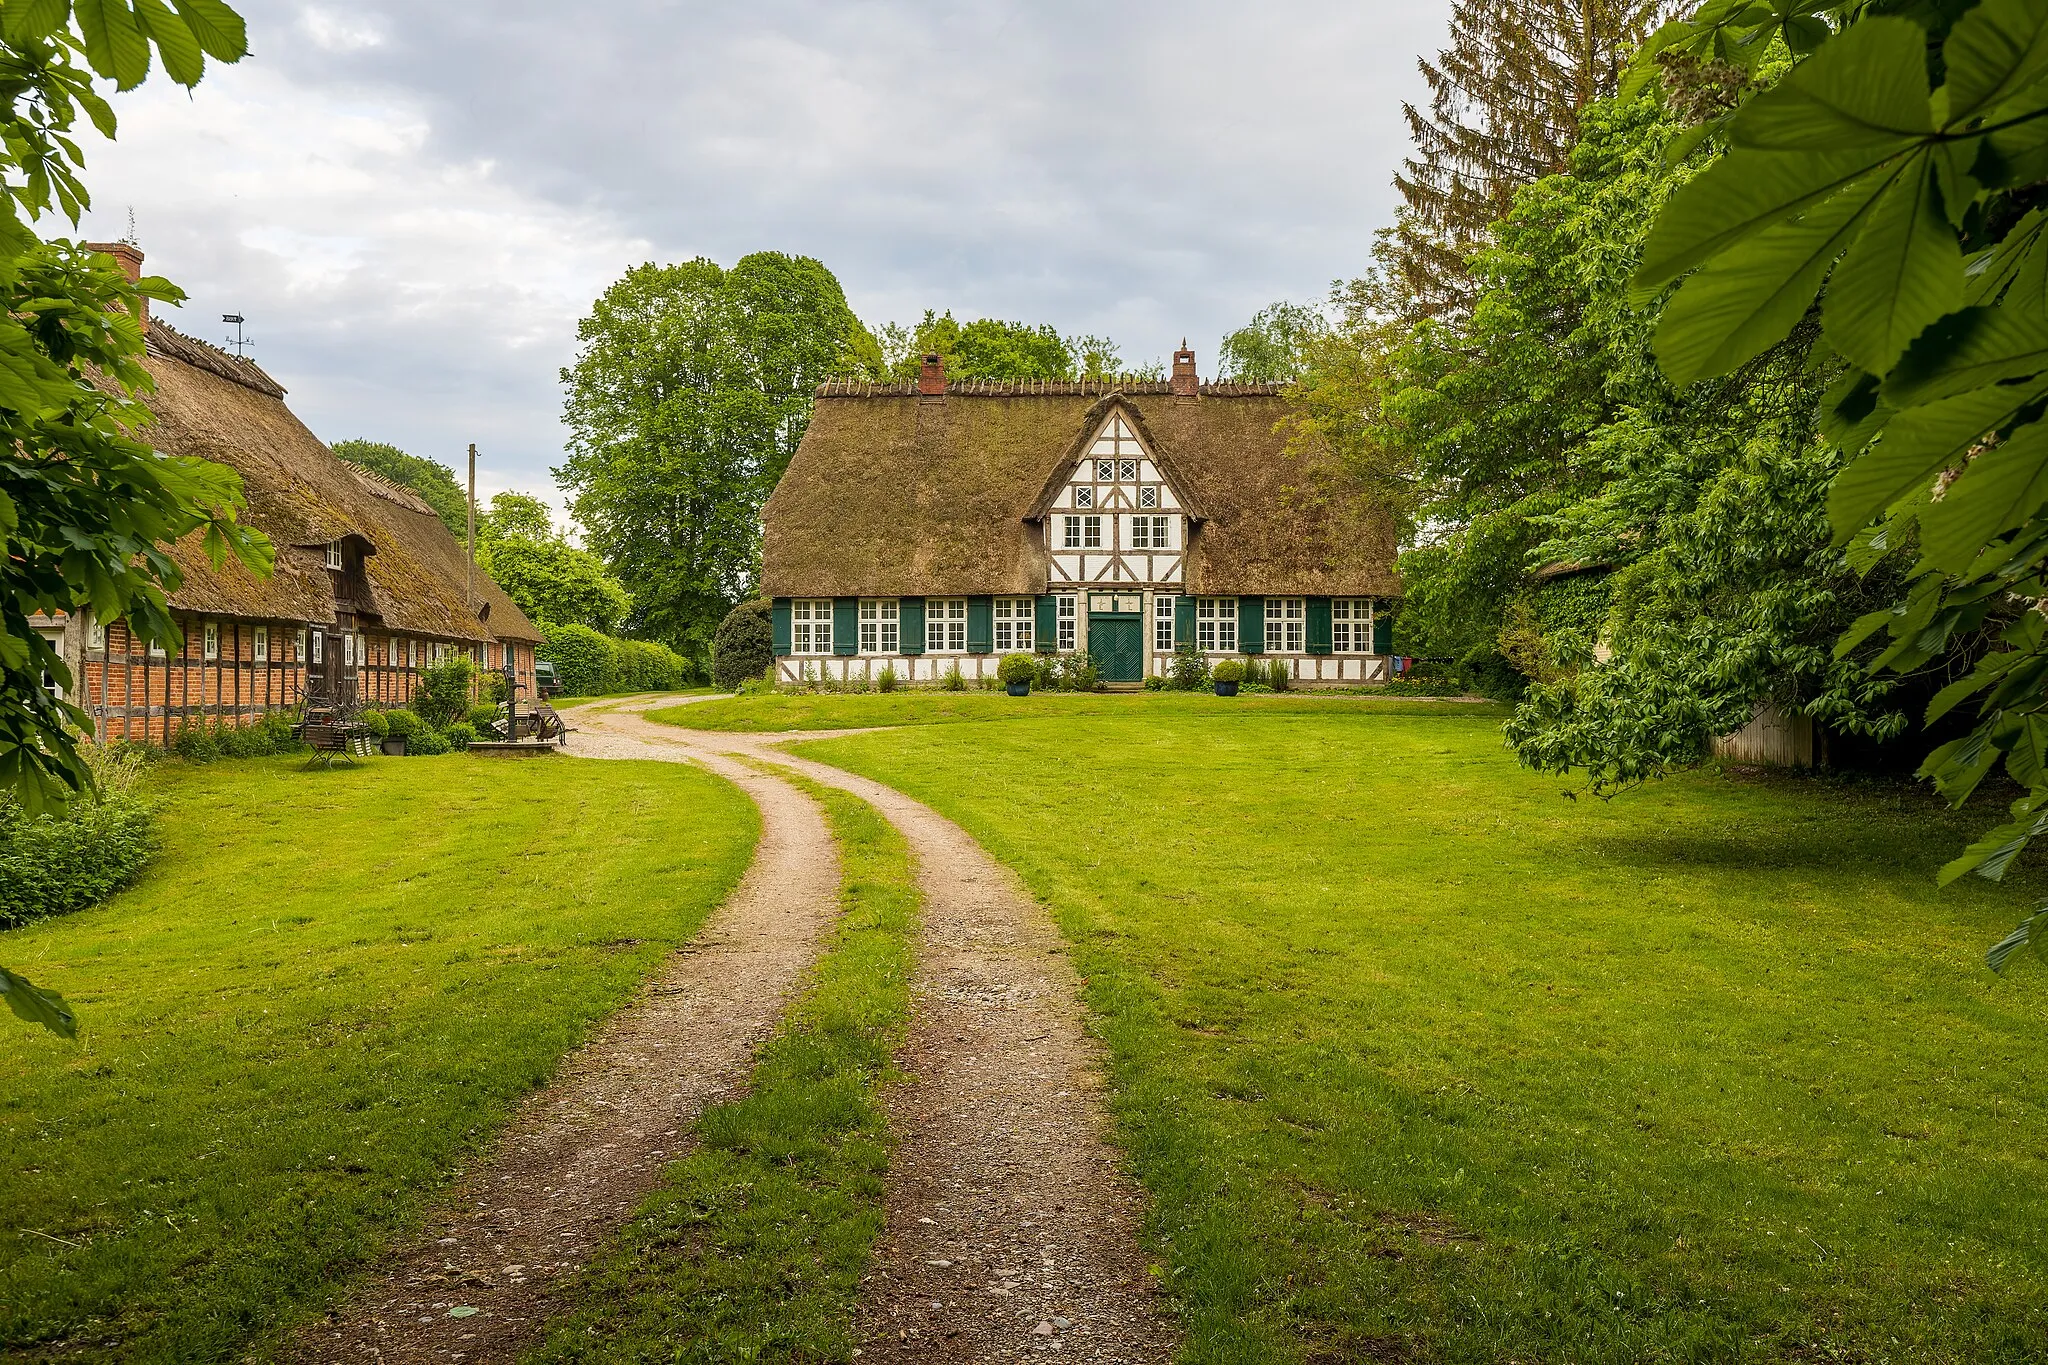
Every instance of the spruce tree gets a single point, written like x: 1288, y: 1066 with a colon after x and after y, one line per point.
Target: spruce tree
x: 1504, y: 110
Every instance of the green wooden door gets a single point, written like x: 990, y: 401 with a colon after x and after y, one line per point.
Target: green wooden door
x: 1118, y: 647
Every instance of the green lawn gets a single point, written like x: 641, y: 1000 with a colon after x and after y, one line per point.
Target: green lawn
x: 844, y: 710
x: 323, y: 997
x: 755, y: 1244
x: 1420, y: 1060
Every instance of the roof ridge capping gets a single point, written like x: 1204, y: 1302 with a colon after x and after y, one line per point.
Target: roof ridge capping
x: 167, y: 340
x: 1041, y: 388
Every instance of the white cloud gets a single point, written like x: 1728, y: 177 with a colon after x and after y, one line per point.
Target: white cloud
x: 414, y: 204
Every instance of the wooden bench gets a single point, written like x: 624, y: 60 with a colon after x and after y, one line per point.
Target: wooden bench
x: 331, y: 740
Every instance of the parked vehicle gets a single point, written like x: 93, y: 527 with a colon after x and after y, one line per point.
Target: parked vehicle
x: 545, y: 679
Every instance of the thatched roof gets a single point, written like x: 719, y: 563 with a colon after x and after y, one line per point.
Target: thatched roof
x: 892, y: 496
x: 211, y: 404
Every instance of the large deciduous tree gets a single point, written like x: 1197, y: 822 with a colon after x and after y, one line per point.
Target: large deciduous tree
x: 554, y: 582
x: 86, y: 507
x: 689, y: 394
x: 1504, y: 105
x: 1897, y: 172
x: 432, y: 480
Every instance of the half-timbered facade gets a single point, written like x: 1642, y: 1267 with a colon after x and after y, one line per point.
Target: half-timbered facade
x: 930, y: 527
x: 369, y: 587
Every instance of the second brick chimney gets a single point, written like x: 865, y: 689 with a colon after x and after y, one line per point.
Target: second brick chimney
x: 931, y: 378
x: 1185, y: 382
x: 130, y: 257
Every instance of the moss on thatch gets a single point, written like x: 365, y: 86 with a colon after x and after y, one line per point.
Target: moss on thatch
x: 892, y: 495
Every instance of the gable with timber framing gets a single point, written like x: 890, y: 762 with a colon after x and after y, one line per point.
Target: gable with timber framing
x: 1114, y: 515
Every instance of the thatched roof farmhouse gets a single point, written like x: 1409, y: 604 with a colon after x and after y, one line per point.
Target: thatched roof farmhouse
x: 931, y: 525
x: 369, y: 587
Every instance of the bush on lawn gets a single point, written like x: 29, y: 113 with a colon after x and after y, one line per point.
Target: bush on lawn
x: 1229, y: 671
x: 1078, y: 672
x: 52, y: 865
x: 443, y: 693
x: 1017, y: 668
x: 460, y: 735
x: 426, y: 740
x: 379, y: 724
x: 482, y: 714
x: 401, y: 723
x: 885, y: 681
x: 743, y: 647
x: 1189, y: 671
x: 955, y: 680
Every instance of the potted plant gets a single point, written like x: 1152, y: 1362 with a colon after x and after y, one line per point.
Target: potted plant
x: 397, y: 725
x: 1016, y: 672
x: 1226, y: 676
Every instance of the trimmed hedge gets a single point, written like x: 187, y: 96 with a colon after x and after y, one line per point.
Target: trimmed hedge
x: 590, y: 664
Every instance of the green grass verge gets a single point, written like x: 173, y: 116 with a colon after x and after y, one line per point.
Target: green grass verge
x: 326, y: 994
x: 1420, y: 1061
x: 754, y: 1246
x: 847, y: 710
x: 569, y: 703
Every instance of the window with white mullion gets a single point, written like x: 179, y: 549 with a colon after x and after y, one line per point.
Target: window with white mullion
x: 1284, y: 623
x: 1066, y: 620
x: 1351, y: 625
x: 1162, y: 622
x: 810, y: 626
x: 945, y: 625
x: 1013, y: 624
x: 1216, y: 625
x: 878, y: 622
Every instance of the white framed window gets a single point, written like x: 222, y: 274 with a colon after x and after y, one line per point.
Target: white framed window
x: 1070, y: 533
x: 299, y: 647
x: 1066, y: 619
x: 1148, y: 496
x: 210, y: 640
x: 333, y: 554
x: 319, y: 638
x: 1091, y: 533
x: 1084, y: 497
x: 810, y: 626
x: 1013, y: 625
x: 259, y: 645
x: 1351, y: 625
x: 1283, y: 625
x: 1162, y: 621
x: 878, y: 625
x: 156, y: 649
x: 945, y: 625
x: 1127, y: 470
x: 1105, y: 471
x: 348, y: 650
x: 1150, y: 533
x: 1216, y: 625
x: 96, y: 635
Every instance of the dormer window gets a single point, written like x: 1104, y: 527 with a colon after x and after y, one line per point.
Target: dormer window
x: 334, y: 554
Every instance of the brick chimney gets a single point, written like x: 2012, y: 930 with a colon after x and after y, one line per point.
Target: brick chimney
x: 130, y: 257
x: 1185, y: 383
x: 931, y: 379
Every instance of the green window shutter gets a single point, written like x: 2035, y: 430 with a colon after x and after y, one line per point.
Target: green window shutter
x: 1047, y: 630
x: 1183, y: 621
x: 1318, y: 609
x: 846, y: 625
x: 778, y: 616
x: 910, y: 625
x: 1382, y: 632
x: 981, y: 625
x: 1251, y: 625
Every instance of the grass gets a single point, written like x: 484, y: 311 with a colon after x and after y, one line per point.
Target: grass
x: 1418, y: 1060
x: 322, y: 1000
x: 567, y: 703
x: 849, y: 710
x: 754, y: 1246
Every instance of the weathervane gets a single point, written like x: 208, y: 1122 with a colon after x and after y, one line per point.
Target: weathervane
x: 238, y: 341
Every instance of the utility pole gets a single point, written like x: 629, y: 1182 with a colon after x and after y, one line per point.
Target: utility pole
x: 469, y: 582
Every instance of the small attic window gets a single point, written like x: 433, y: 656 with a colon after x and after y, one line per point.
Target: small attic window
x: 333, y: 554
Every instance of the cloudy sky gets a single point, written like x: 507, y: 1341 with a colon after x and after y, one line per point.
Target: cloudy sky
x: 413, y: 203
